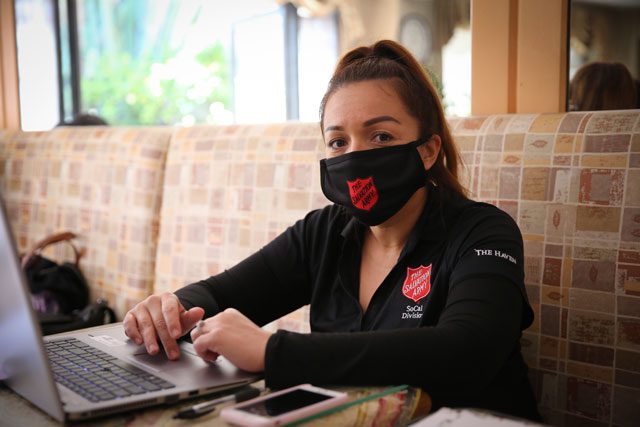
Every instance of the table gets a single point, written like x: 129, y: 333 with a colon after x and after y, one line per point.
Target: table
x: 402, y: 407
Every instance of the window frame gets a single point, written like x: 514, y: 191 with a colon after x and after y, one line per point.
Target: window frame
x: 67, y: 10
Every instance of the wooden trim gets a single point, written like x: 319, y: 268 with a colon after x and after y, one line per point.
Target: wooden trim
x: 9, y: 88
x: 519, y: 56
x: 513, y: 55
x: 490, y: 56
x: 542, y: 56
x: 565, y: 33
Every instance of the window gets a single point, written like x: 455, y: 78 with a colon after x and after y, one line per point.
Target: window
x: 255, y: 101
x: 456, y: 73
x: 146, y: 62
x: 37, y: 64
x: 317, y: 56
x: 161, y: 61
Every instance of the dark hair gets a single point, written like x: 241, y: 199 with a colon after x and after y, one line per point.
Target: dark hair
x: 602, y: 86
x: 388, y: 60
x: 86, y: 120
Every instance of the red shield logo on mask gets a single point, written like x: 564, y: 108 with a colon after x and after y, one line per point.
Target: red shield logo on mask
x: 417, y: 284
x: 364, y: 194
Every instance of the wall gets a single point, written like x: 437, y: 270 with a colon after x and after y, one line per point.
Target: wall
x: 377, y: 19
x: 519, y: 56
x: 519, y: 49
x: 9, y: 94
x: 427, y: 9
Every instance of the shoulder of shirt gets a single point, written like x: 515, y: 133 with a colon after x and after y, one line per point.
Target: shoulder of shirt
x: 467, y: 213
x: 330, y: 216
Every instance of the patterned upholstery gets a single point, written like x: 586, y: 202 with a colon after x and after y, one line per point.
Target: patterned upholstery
x: 102, y: 183
x: 566, y: 179
x: 571, y: 181
x: 230, y: 190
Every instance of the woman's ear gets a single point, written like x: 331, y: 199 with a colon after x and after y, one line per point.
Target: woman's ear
x: 429, y: 151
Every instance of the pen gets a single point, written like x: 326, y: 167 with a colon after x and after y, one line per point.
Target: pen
x: 206, y: 407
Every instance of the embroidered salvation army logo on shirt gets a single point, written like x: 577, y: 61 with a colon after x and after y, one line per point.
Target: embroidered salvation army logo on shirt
x: 417, y: 284
x: 363, y: 193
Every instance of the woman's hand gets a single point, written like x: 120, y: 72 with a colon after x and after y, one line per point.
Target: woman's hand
x: 160, y: 316
x: 233, y: 336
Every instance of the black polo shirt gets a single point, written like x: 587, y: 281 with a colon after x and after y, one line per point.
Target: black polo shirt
x: 447, y: 318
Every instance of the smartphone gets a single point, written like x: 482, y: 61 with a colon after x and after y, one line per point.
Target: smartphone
x: 283, y: 406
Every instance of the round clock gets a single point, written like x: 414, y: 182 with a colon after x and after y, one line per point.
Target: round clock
x: 415, y: 35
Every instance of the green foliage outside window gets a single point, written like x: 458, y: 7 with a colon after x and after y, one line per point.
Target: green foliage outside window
x: 136, y: 73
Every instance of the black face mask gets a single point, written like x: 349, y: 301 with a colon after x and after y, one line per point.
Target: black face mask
x: 373, y: 185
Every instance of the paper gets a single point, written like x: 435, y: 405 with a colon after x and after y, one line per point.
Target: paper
x: 445, y: 417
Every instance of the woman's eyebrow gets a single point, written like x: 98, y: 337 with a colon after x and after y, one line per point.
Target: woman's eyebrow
x: 368, y: 123
x: 379, y: 119
x: 328, y: 128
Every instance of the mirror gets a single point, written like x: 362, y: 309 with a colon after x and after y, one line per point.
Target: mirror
x: 604, y: 31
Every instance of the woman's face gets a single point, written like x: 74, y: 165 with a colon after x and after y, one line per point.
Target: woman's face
x: 366, y: 115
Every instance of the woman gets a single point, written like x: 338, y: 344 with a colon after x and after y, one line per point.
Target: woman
x: 602, y: 86
x: 408, y: 280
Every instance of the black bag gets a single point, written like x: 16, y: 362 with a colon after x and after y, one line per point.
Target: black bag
x: 94, y: 314
x: 59, y: 292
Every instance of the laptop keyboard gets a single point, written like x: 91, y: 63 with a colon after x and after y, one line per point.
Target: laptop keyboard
x: 96, y: 375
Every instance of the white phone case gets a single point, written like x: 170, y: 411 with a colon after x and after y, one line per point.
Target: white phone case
x: 235, y: 415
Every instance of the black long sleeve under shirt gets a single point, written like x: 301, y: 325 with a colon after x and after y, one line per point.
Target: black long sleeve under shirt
x: 447, y: 318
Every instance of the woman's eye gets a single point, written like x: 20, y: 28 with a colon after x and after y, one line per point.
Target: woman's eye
x: 383, y: 138
x: 336, y: 144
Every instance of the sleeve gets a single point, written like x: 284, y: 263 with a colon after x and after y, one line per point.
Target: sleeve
x: 492, y: 247
x: 477, y: 332
x: 265, y: 286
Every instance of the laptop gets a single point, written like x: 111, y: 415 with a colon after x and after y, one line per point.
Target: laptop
x: 91, y: 372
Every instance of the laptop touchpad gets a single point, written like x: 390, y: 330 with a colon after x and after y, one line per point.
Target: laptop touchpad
x: 160, y: 362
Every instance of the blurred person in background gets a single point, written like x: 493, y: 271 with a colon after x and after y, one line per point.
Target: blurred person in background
x: 602, y: 86
x: 86, y: 119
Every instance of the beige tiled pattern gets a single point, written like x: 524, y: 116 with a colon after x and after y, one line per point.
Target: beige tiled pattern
x: 571, y: 181
x: 568, y: 180
x: 230, y: 190
x: 102, y: 183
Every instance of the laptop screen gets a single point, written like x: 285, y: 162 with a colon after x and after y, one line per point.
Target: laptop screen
x: 23, y: 364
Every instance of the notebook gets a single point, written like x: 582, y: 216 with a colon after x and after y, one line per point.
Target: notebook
x: 91, y: 372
